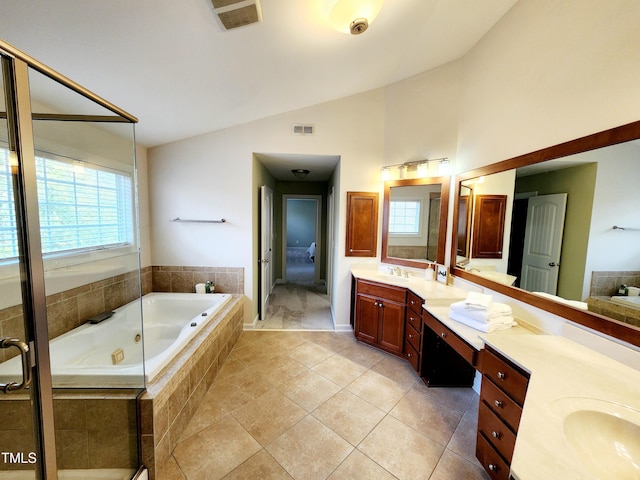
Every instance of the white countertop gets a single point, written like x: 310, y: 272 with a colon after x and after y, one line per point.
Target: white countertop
x: 433, y: 292
x: 560, y: 370
x: 472, y: 336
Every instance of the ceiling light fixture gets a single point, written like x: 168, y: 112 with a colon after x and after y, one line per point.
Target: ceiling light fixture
x: 415, y: 169
x: 300, y: 172
x: 353, y: 16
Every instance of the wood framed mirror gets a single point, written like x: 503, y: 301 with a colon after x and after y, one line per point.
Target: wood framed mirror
x: 599, y: 237
x: 414, y: 221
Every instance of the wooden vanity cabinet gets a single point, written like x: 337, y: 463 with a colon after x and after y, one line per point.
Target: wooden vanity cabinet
x: 502, y: 395
x: 380, y: 315
x: 413, y: 331
x: 447, y: 360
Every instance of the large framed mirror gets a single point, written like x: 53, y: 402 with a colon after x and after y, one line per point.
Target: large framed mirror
x: 571, y: 232
x: 414, y: 221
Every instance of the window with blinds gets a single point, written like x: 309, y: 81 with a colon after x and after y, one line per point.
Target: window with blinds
x: 82, y: 206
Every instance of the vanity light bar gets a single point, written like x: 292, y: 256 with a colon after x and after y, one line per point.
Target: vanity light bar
x: 420, y: 166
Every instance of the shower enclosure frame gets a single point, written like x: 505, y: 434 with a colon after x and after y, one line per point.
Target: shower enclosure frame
x: 19, y: 117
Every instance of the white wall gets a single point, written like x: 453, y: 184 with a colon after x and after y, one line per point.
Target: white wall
x: 548, y: 72
x: 210, y: 176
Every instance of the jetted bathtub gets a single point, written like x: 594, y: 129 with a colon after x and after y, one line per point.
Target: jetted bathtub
x: 110, y: 353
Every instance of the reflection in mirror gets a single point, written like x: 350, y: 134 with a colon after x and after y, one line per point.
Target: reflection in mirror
x: 465, y: 207
x: 559, y: 237
x: 414, y: 221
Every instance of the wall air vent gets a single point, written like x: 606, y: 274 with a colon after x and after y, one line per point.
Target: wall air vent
x: 303, y: 129
x: 236, y: 13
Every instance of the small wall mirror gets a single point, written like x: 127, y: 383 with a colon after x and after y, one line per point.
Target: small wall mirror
x: 414, y: 221
x: 571, y: 233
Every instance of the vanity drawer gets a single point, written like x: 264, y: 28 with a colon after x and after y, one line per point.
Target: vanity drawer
x: 388, y: 292
x: 414, y: 303
x: 413, y: 337
x: 464, y: 349
x: 505, y: 375
x: 501, y: 404
x: 491, y: 460
x: 496, y: 431
x: 414, y: 320
x: 412, y: 356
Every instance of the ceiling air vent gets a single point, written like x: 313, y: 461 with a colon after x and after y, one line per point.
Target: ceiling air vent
x: 303, y: 129
x: 236, y: 13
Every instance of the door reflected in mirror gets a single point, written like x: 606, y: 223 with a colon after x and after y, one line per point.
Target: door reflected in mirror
x: 415, y: 221
x: 563, y: 245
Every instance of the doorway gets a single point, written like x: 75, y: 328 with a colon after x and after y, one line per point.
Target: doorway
x: 302, y: 244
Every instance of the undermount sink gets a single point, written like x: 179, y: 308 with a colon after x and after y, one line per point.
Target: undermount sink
x: 603, y: 436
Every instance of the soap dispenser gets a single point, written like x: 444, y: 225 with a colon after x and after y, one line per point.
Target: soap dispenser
x: 430, y: 273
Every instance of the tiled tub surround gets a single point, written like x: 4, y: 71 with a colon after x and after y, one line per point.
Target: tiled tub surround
x: 173, y: 396
x: 71, y: 308
x: 94, y: 429
x: 176, y: 279
x: 606, y: 284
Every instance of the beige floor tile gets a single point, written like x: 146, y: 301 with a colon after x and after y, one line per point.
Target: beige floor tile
x: 309, y: 450
x: 349, y: 416
x: 170, y: 471
x: 458, y: 398
x: 434, y: 419
x: 454, y: 466
x: 215, y: 451
x: 377, y: 390
x: 463, y: 441
x: 310, y: 354
x: 261, y: 466
x: 398, y: 370
x: 269, y: 415
x: 359, y: 466
x: 339, y: 370
x: 362, y: 354
x: 279, y: 369
x: 334, y: 341
x: 401, y: 450
x: 230, y: 367
x: 309, y: 389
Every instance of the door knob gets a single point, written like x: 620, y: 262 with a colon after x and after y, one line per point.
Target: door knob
x: 554, y: 264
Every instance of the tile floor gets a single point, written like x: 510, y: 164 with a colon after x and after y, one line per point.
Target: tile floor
x: 295, y: 306
x: 319, y: 405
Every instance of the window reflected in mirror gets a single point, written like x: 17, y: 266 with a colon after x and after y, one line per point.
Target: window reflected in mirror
x: 414, y: 221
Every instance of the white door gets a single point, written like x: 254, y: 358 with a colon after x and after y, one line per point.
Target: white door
x: 330, y: 241
x: 266, y: 247
x: 543, y: 242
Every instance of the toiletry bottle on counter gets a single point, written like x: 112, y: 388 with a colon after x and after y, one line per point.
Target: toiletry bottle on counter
x: 430, y: 273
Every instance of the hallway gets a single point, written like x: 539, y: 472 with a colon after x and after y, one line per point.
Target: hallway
x: 298, y: 307
x: 318, y: 405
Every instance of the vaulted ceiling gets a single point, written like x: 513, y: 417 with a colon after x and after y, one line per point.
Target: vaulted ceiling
x: 171, y: 64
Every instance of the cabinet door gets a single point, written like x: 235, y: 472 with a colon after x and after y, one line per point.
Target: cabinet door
x: 367, y: 317
x: 391, y: 335
x: 488, y: 226
x: 362, y: 224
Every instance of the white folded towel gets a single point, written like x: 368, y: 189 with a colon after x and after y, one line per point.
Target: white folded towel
x: 478, y: 300
x: 495, y: 312
x: 483, y: 326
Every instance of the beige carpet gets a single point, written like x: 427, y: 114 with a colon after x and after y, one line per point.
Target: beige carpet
x: 298, y: 307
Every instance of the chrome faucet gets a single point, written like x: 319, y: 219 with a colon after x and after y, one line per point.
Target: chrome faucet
x: 397, y: 271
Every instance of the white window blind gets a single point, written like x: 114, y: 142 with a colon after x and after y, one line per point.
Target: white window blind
x: 404, y: 217
x: 82, y: 207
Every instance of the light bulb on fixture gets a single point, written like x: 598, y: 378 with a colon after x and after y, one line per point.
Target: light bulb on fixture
x: 353, y: 16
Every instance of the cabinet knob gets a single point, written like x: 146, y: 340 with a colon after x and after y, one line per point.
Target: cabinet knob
x: 443, y: 334
x: 495, y: 434
x: 498, y: 403
x: 493, y: 467
x: 411, y: 335
x: 409, y: 355
x: 502, y: 376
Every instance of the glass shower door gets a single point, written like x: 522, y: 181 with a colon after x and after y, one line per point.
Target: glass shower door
x: 19, y: 402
